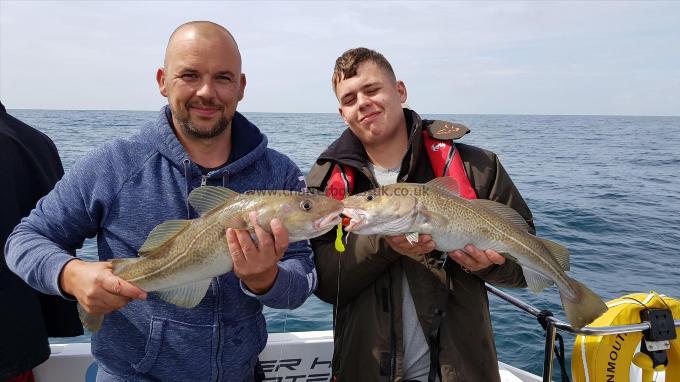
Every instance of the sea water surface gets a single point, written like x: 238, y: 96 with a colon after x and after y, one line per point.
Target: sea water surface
x: 607, y: 187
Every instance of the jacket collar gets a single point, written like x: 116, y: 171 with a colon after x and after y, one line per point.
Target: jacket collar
x: 248, y: 143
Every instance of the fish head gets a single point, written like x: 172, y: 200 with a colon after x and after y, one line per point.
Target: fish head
x: 388, y: 210
x: 304, y: 215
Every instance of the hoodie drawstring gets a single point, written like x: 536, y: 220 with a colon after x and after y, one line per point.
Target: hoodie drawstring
x: 187, y: 178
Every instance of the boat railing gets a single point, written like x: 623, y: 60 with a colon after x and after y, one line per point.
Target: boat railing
x: 552, y: 324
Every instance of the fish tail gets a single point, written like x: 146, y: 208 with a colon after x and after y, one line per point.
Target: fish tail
x: 583, y: 307
x: 91, y: 322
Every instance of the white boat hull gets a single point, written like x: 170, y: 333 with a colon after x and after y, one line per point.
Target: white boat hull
x: 298, y: 356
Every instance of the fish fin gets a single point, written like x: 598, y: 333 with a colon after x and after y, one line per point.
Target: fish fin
x: 161, y: 234
x: 535, y: 280
x: 186, y: 296
x: 431, y: 218
x: 584, y: 307
x: 206, y: 198
x: 505, y: 212
x: 445, y: 184
x: 91, y: 322
x: 412, y: 237
x: 558, y: 252
x: 237, y: 221
x: 120, y: 265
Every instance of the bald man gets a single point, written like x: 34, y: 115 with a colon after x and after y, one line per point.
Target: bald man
x: 121, y: 191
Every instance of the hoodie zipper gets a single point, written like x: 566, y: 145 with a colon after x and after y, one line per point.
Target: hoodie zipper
x: 187, y: 183
x: 219, y: 327
x: 204, y: 180
x: 218, y: 302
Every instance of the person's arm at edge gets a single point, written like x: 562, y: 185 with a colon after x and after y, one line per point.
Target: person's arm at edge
x: 366, y: 257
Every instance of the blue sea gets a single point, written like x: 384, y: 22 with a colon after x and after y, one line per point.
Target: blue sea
x: 607, y: 187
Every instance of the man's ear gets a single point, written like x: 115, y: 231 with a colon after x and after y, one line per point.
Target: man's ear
x: 401, y: 89
x: 160, y: 78
x: 342, y: 116
x: 242, y: 89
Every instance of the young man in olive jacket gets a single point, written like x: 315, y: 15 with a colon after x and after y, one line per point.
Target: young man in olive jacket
x: 399, y: 314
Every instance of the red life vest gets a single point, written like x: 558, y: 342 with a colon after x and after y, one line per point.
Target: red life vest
x: 444, y: 158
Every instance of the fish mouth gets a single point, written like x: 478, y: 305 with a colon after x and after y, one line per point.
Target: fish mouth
x: 357, y: 218
x: 328, y: 221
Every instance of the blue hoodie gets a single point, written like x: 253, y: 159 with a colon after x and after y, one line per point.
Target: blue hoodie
x: 120, y: 192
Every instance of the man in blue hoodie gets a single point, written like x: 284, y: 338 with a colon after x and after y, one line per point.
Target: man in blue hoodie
x: 122, y: 190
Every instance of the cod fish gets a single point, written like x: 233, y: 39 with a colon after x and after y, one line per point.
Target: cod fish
x: 436, y: 209
x: 180, y: 257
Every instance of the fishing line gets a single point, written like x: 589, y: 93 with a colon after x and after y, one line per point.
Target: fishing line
x: 285, y: 320
x: 340, y: 247
x: 337, y: 299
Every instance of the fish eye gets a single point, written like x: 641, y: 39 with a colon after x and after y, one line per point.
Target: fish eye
x: 306, y: 205
x: 369, y: 197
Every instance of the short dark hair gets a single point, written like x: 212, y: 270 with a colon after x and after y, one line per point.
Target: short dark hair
x: 346, y: 65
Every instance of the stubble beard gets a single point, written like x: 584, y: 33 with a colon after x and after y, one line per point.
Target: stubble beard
x: 191, y: 130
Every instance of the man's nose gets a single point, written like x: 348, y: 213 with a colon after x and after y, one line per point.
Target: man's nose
x: 363, y: 100
x: 206, y: 90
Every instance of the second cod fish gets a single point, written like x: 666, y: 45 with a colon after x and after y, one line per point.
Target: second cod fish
x: 180, y: 257
x: 436, y: 209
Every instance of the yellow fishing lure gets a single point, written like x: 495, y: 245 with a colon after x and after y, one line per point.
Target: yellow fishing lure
x: 339, y: 245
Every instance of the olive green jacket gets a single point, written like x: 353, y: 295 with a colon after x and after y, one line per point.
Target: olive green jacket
x: 368, y: 322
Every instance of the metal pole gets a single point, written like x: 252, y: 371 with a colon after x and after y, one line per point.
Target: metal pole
x: 550, y: 331
x: 586, y: 331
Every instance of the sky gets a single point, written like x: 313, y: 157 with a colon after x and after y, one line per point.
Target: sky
x: 500, y: 57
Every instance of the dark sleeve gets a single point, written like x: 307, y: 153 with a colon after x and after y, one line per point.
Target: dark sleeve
x: 492, y: 182
x: 366, y: 257
x: 30, y: 163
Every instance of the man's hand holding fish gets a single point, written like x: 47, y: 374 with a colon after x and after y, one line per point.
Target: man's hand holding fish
x: 413, y: 249
x: 96, y: 288
x: 474, y: 259
x: 255, y: 262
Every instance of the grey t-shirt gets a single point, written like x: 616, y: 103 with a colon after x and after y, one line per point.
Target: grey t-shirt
x: 416, y: 352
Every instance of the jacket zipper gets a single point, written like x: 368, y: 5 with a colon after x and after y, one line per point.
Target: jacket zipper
x: 367, y: 173
x: 393, y: 351
x: 204, y: 180
x: 393, y: 334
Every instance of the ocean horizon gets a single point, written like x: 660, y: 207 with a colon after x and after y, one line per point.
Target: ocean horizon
x: 336, y: 114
